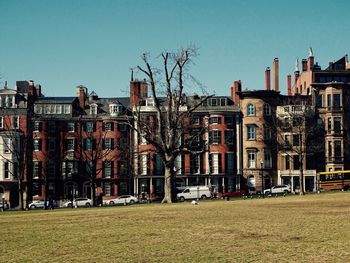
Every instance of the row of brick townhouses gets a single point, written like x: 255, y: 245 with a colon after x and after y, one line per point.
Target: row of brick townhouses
x: 83, y: 145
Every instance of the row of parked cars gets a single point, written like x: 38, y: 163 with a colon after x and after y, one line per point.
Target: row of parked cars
x: 84, y: 202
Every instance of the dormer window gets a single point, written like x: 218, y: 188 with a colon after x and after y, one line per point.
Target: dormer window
x: 115, y: 109
x: 150, y: 102
x: 93, y: 109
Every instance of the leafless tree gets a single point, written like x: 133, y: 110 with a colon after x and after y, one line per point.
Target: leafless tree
x: 299, y: 132
x: 168, y: 132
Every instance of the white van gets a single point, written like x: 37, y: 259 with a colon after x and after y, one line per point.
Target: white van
x: 194, y: 192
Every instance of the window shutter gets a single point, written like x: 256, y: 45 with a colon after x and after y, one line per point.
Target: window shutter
x: 112, y: 144
x: 40, y: 126
x: 210, y: 137
x: 112, y: 169
x: 103, y: 144
x: 211, y: 163
x: 219, y: 163
x: 219, y: 133
x: 112, y: 126
x: 40, y: 144
x: 103, y: 126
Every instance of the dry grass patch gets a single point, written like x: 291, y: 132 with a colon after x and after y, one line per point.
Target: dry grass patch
x: 292, y: 229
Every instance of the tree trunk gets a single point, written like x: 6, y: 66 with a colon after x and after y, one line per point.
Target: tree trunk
x: 167, y: 186
x: 301, y: 176
x: 20, y: 197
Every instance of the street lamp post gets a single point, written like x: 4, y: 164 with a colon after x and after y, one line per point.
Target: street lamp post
x: 262, y: 177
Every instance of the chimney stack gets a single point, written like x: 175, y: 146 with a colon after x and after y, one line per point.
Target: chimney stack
x: 304, y: 65
x: 268, y: 78
x: 275, y: 73
x: 38, y: 90
x: 289, y: 85
x: 310, y: 60
x: 237, y: 87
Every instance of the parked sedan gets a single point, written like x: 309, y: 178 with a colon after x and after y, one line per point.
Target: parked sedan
x: 122, y: 200
x: 81, y: 201
x: 40, y: 204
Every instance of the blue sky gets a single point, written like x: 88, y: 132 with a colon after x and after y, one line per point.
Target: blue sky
x: 62, y: 44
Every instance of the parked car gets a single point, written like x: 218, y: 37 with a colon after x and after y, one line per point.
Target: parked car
x: 80, y: 201
x: 194, y: 192
x: 4, y: 205
x: 41, y: 204
x: 239, y: 193
x: 278, y: 189
x: 121, y: 200
x: 345, y: 187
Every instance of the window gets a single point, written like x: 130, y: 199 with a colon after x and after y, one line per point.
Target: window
x: 93, y: 109
x: 214, y: 136
x: 70, y: 144
x: 143, y: 164
x: 266, y: 109
x: 251, y: 132
x: 15, y: 122
x: 337, y: 149
x: 215, y: 163
x: 296, y: 162
x: 230, y: 163
x: 286, y: 140
x: 267, y: 159
x: 50, y: 169
x: 1, y: 122
x: 123, y: 127
x: 107, y: 169
x: 37, y: 126
x: 70, y: 126
x: 108, y: 126
x: 287, y: 162
x: 229, y: 120
x: 114, y: 109
x: 89, y: 127
x: 336, y: 101
x: 296, y: 140
x: 251, y: 158
x: 7, y: 145
x: 214, y: 120
x: 297, y: 121
x: 267, y: 133
x: 108, y: 143
x: 337, y: 124
x: 150, y: 102
x: 250, y: 110
x: 51, y: 144
x: 37, y: 167
x: 319, y: 102
x: 89, y: 144
x: 229, y: 137
x: 66, y: 109
x: 330, y: 154
x: 69, y: 168
x: 6, y: 170
x: 37, y: 144
x: 36, y: 189
x: 195, y: 163
x: 107, y: 189
x: 196, y: 120
x: 329, y: 124
x: 58, y: 109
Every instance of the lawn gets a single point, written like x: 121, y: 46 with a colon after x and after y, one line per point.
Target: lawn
x: 314, y: 228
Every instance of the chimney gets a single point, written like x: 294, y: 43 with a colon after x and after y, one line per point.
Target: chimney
x: 289, y: 85
x: 310, y: 60
x: 138, y: 91
x: 38, y: 90
x: 275, y: 74
x: 81, y: 93
x: 268, y: 78
x: 31, y: 87
x: 304, y: 65
x: 237, y: 87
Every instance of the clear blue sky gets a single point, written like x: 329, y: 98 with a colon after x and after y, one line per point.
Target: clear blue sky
x: 61, y: 44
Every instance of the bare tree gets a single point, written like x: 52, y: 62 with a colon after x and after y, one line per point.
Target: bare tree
x: 16, y: 144
x: 167, y: 132
x: 299, y: 132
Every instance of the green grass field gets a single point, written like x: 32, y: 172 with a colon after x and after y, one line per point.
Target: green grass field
x: 314, y: 228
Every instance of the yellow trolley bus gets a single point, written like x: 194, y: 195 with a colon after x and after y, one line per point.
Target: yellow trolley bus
x: 335, y: 180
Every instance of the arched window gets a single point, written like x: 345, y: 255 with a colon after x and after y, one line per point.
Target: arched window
x: 250, y: 110
x: 266, y: 109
